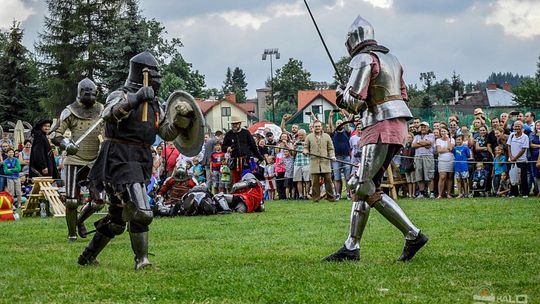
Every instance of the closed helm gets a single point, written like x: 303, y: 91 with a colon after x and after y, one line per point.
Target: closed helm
x: 359, y: 32
x: 136, y: 67
x: 86, y: 92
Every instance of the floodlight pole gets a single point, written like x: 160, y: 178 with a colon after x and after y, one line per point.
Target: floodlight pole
x: 271, y: 53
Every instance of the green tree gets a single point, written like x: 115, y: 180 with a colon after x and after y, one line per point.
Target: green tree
x: 178, y: 75
x: 134, y: 34
x: 528, y: 93
x: 427, y: 78
x: 457, y: 83
x: 18, y: 94
x: 239, y: 84
x: 228, y: 82
x: 416, y: 96
x: 344, y: 70
x: 74, y: 45
x: 442, y: 91
x: 289, y: 79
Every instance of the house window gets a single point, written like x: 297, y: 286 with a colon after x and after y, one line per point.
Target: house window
x: 225, y: 111
x: 316, y: 109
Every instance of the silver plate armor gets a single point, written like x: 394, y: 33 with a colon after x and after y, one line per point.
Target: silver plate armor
x: 359, y: 32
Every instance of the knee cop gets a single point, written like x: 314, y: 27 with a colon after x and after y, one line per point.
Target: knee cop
x: 137, y: 208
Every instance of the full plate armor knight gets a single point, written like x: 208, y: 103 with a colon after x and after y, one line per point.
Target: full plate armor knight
x: 376, y: 91
x: 77, y: 118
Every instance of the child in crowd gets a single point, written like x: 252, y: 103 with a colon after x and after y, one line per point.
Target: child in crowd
x: 407, y: 165
x: 12, y: 169
x: 198, y: 171
x: 288, y: 161
x: 504, y: 185
x: 462, y: 153
x: 499, y: 166
x: 270, y: 176
x: 189, y: 167
x: 216, y: 158
x: 479, y: 179
x: 225, y: 172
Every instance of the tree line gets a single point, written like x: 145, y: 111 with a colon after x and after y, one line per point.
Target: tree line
x: 96, y: 39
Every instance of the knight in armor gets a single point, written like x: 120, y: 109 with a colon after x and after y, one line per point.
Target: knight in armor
x: 170, y: 197
x: 246, y: 197
x: 77, y: 118
x: 377, y: 92
x: 133, y: 117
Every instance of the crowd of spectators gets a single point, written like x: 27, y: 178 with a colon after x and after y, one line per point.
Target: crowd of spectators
x: 494, y: 156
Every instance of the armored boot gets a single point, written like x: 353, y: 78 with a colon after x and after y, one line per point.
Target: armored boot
x: 86, y: 211
x: 351, y: 249
x: 71, y: 221
x: 223, y: 205
x: 189, y: 205
x: 139, y: 245
x: 414, y: 240
x: 96, y: 245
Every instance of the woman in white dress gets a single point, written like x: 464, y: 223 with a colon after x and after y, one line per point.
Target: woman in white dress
x: 444, y: 146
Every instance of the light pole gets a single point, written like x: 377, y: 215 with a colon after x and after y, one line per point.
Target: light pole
x: 271, y: 52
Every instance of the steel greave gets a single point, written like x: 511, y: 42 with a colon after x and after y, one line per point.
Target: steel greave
x: 358, y: 221
x: 395, y: 215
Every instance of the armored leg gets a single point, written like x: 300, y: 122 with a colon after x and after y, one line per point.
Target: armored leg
x: 106, y: 229
x: 86, y: 211
x: 139, y: 245
x: 96, y: 245
x: 74, y: 174
x: 137, y: 208
x: 358, y: 221
x: 223, y: 203
x: 71, y: 218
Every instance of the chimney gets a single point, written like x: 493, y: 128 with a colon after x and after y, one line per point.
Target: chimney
x: 506, y: 86
x: 492, y: 86
x: 230, y: 97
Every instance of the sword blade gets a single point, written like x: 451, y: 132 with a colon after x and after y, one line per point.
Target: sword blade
x: 92, y: 128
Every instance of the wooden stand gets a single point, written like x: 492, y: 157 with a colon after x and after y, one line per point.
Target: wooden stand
x: 391, y: 181
x: 43, y: 190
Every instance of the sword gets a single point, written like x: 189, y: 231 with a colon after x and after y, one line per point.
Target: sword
x: 92, y: 128
x: 316, y: 155
x: 324, y: 44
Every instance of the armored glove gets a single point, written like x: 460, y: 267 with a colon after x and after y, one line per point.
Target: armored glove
x: 340, y: 90
x: 70, y: 147
x: 142, y: 95
x: 183, y: 115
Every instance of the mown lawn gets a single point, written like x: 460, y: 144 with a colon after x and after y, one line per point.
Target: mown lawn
x: 275, y: 257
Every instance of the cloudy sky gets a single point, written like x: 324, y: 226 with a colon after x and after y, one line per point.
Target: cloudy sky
x: 474, y: 38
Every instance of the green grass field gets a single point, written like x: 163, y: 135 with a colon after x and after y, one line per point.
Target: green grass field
x: 275, y: 257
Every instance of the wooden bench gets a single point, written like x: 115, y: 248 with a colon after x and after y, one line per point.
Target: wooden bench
x: 44, y: 190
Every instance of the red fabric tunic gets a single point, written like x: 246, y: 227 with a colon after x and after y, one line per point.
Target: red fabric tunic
x: 252, y: 197
x: 177, y: 189
x: 6, y: 207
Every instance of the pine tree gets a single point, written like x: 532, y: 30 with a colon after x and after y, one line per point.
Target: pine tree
x: 239, y: 84
x: 73, y: 46
x: 16, y: 89
x: 228, y: 83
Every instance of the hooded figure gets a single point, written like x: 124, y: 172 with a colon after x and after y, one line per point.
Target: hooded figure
x: 41, y: 156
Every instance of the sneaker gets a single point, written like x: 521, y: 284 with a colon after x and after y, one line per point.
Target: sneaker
x: 343, y: 254
x: 525, y: 196
x: 412, y: 247
x: 420, y: 196
x: 432, y: 195
x: 338, y: 197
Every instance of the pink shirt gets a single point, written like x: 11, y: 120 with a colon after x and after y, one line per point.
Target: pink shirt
x: 391, y: 131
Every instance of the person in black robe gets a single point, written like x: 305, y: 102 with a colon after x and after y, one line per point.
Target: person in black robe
x: 41, y: 156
